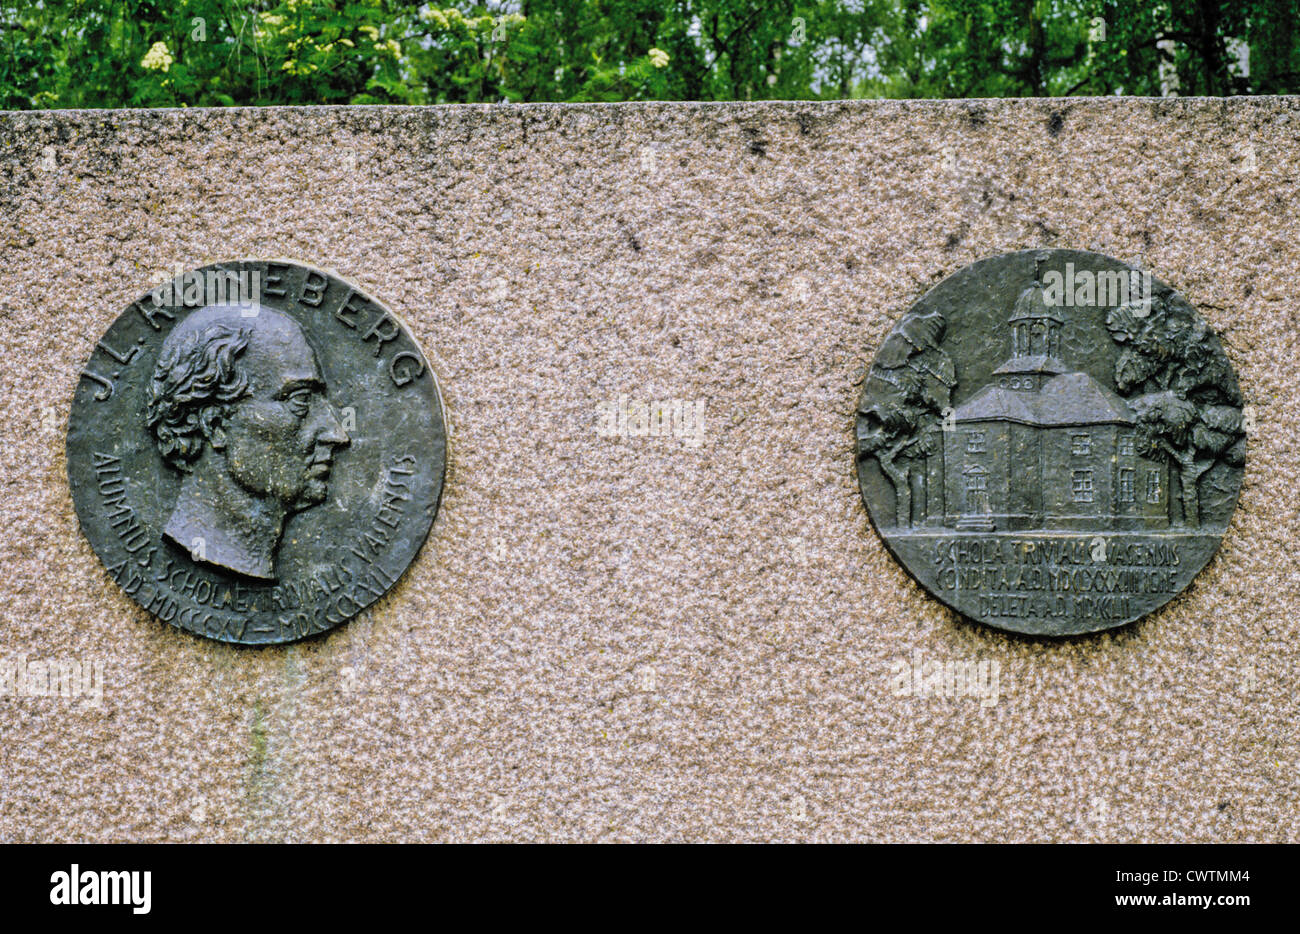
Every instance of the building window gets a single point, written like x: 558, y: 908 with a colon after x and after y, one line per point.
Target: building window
x: 1080, y: 445
x: 1126, y: 484
x: 1081, y: 486
x: 1153, y: 486
x: 975, y: 442
x: 1126, y: 444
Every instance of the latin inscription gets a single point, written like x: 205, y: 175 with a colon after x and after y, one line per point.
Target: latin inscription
x: 1055, y: 577
x: 217, y: 607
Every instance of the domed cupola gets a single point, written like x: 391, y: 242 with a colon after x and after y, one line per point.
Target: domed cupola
x: 1035, y: 338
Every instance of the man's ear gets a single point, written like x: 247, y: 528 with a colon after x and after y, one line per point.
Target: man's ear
x: 210, y: 421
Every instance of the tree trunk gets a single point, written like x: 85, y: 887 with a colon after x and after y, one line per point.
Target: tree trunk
x: 1037, y: 53
x: 920, y: 475
x: 1191, y: 476
x: 898, y: 476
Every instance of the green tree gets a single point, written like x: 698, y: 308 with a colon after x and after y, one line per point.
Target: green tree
x: 121, y: 53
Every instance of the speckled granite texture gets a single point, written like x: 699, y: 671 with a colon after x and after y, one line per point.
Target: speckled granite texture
x: 637, y: 639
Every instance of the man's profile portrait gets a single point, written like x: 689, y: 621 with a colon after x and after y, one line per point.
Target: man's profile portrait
x: 237, y: 405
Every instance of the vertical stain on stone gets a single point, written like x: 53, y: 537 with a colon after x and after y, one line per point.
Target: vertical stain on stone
x: 270, y: 754
x: 1055, y: 123
x: 257, y: 787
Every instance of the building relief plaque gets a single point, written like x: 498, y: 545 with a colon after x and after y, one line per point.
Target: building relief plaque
x: 1051, y: 442
x: 256, y: 451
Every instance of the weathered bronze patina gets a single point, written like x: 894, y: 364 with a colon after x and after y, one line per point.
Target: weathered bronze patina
x: 1051, y: 442
x: 256, y: 451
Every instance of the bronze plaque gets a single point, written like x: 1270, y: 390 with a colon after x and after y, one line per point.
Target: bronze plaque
x: 256, y: 451
x: 1051, y: 442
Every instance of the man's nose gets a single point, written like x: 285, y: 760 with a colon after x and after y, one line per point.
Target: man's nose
x: 329, y: 429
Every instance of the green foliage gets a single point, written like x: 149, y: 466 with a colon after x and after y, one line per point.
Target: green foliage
x: 151, y: 53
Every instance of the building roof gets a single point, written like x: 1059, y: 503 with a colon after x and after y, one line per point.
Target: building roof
x: 1038, y: 363
x: 1066, y: 399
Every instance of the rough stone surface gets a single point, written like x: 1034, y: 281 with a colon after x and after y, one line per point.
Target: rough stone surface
x: 636, y: 639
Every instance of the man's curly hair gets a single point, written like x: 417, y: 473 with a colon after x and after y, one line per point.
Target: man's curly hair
x: 192, y: 382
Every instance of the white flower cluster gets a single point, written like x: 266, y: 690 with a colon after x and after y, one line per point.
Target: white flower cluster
x: 158, y: 58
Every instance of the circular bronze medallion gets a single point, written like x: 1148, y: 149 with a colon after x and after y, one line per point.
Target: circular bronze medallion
x: 1051, y: 442
x: 256, y: 451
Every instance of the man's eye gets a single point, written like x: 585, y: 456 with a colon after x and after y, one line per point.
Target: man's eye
x: 300, y: 401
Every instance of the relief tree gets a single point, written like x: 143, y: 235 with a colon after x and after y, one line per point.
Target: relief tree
x: 913, y: 379
x: 1181, y: 389
x: 1191, y: 438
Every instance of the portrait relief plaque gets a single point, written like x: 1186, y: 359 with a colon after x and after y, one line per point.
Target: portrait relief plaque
x: 1051, y: 442
x: 256, y: 451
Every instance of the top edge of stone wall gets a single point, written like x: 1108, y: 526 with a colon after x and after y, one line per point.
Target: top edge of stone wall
x: 1271, y: 102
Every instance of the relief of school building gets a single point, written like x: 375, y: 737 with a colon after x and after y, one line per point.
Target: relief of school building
x: 1043, y: 447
